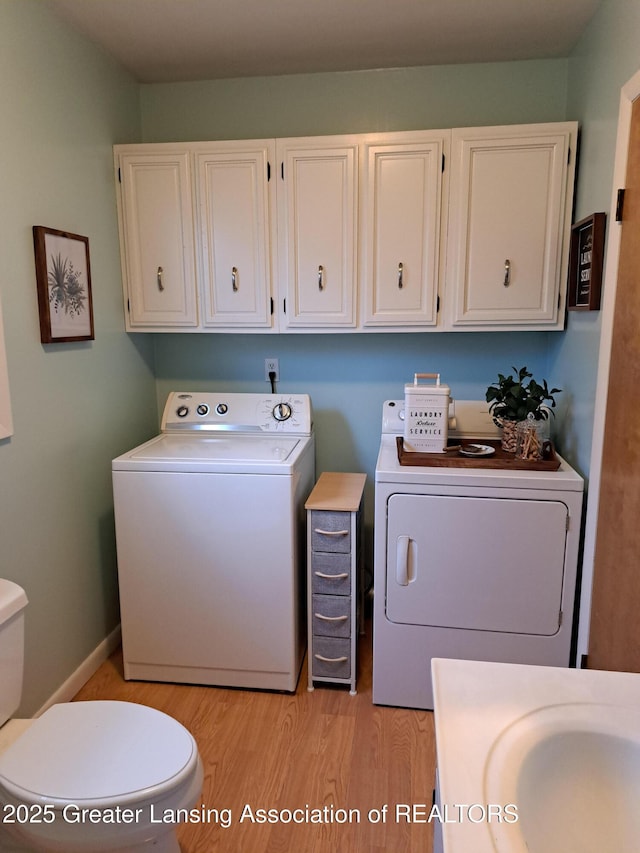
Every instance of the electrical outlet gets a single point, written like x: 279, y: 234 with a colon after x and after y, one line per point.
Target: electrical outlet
x: 271, y: 366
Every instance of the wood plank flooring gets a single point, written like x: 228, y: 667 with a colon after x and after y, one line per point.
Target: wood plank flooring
x: 288, y: 751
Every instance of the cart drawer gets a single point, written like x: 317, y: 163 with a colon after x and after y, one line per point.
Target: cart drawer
x: 331, y: 531
x: 331, y: 615
x: 331, y: 573
x: 331, y: 657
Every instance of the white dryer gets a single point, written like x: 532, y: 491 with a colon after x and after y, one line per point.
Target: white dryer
x: 472, y: 563
x: 210, y: 541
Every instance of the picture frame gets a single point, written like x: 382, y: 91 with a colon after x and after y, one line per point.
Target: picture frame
x: 586, y: 257
x: 63, y: 279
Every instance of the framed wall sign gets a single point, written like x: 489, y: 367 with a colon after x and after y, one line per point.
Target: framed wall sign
x: 585, y: 263
x: 63, y: 279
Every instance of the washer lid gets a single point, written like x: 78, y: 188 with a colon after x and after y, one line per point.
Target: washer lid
x: 208, y: 448
x: 97, y: 751
x: 224, y: 453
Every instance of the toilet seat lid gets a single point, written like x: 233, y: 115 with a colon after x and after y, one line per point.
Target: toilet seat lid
x: 81, y: 752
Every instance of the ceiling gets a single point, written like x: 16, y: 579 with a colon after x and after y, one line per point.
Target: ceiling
x: 162, y: 41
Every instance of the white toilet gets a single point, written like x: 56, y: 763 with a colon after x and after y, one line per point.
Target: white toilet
x: 87, y: 777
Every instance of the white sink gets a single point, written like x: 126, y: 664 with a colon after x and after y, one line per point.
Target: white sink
x: 574, y: 772
x: 558, y: 748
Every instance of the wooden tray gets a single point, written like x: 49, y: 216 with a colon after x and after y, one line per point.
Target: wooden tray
x: 452, y: 459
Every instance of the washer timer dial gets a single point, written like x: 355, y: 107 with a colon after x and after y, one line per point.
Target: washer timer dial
x: 282, y: 412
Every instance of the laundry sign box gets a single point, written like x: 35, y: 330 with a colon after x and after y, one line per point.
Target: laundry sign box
x: 426, y: 414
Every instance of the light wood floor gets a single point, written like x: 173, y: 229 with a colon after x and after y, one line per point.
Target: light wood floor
x: 282, y: 751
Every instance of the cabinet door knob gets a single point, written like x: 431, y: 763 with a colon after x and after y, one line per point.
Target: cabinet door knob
x: 234, y: 279
x: 320, y: 277
x: 159, y: 279
x: 507, y: 273
x: 400, y: 275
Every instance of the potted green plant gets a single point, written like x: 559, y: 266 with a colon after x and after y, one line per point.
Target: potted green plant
x: 517, y: 398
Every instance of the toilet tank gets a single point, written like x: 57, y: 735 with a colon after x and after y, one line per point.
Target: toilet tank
x: 13, y: 601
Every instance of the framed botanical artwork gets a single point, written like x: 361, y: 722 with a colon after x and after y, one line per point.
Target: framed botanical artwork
x: 63, y: 278
x: 586, y: 257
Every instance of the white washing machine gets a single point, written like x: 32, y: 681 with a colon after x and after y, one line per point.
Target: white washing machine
x: 210, y: 541
x: 471, y: 563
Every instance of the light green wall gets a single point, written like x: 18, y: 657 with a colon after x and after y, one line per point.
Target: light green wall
x: 349, y: 377
x: 63, y: 104
x: 585, y: 86
x: 604, y: 60
x: 356, y: 102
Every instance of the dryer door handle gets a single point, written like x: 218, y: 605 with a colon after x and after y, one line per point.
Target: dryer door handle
x: 402, y: 560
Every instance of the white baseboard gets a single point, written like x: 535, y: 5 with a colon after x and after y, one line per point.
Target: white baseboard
x: 83, y: 673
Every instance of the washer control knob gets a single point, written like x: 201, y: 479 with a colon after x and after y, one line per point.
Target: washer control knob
x: 222, y: 408
x: 202, y: 409
x: 282, y: 412
x: 182, y: 411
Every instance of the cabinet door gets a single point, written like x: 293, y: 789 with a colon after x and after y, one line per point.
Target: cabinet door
x: 157, y: 239
x: 402, y: 198
x: 509, y: 225
x: 234, y: 224
x: 317, y: 212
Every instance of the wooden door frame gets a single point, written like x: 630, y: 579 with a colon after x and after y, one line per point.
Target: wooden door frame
x: 629, y: 93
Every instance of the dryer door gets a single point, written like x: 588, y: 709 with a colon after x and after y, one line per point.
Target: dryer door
x: 486, y: 564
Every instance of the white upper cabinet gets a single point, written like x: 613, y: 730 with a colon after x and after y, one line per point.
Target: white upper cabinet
x: 234, y: 223
x: 317, y: 223
x: 510, y: 204
x: 402, y: 198
x: 443, y: 230
x: 157, y: 238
